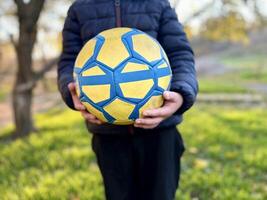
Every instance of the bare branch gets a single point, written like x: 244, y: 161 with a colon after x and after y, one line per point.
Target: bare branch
x: 38, y: 76
x: 47, y: 67
x: 199, y: 12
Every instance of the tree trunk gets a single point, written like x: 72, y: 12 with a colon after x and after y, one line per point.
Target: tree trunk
x: 28, y: 15
x: 22, y: 98
x: 22, y: 113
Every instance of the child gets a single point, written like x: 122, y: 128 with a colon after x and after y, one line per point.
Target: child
x: 140, y: 161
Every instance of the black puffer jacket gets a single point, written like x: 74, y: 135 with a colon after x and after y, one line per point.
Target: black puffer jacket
x: 87, y: 18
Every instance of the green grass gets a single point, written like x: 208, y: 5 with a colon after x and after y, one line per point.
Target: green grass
x: 225, y: 158
x: 56, y: 163
x: 226, y: 154
x: 220, y: 85
x: 246, y: 60
x: 246, y: 69
x: 2, y: 96
x: 3, y: 93
x: 252, y: 67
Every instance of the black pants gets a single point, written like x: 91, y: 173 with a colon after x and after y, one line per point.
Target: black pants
x: 141, y: 166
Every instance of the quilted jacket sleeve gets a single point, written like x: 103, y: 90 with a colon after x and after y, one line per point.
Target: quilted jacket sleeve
x: 174, y: 41
x: 72, y: 44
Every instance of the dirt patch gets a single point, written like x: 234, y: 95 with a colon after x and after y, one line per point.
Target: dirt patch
x: 6, y: 114
x: 41, y: 103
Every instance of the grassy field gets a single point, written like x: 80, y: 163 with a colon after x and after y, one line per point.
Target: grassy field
x: 3, y: 93
x: 225, y: 158
x: 252, y: 67
x: 221, y: 85
x: 243, y: 70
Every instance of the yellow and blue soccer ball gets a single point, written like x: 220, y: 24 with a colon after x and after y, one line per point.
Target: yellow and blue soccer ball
x: 120, y: 73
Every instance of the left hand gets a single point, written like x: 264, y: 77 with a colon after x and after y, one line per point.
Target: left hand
x: 152, y: 118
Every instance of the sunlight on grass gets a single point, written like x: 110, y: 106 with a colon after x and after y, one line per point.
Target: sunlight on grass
x: 230, y: 159
x: 225, y: 157
x: 220, y: 85
x: 251, y: 67
x: 250, y: 60
x: 55, y: 163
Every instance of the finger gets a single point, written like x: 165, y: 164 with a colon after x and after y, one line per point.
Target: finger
x: 149, y: 121
x: 72, y: 89
x: 88, y: 115
x: 76, y: 101
x: 170, y: 96
x: 162, y: 112
x: 95, y: 121
x: 146, y: 126
x: 77, y: 104
x: 91, y: 118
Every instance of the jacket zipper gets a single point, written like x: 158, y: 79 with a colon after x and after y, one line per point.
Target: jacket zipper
x: 118, y: 12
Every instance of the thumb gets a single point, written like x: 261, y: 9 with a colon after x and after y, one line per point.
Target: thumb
x: 71, y: 87
x: 168, y: 95
x: 172, y: 96
x: 76, y: 101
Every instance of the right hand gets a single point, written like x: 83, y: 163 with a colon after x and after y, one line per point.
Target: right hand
x: 80, y: 107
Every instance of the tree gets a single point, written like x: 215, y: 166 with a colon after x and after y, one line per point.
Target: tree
x: 231, y: 27
x: 230, y: 9
x: 27, y: 14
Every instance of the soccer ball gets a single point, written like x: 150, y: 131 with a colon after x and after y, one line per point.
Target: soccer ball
x: 120, y: 73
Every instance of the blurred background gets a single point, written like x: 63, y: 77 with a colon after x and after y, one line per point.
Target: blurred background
x: 45, y: 149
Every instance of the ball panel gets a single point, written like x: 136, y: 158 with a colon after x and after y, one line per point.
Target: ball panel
x: 164, y: 55
x: 149, y: 49
x: 106, y: 78
x: 97, y: 93
x: 164, y: 74
x: 160, y: 72
x: 136, y: 89
x: 120, y: 110
x: 163, y: 65
x: 113, y: 43
x: 109, y: 56
x: 133, y: 76
x: 118, y: 32
x: 95, y: 111
x: 124, y: 122
x: 86, y: 53
x: 128, y: 84
x: 94, y: 71
x: 133, y: 67
x: 163, y: 82
x: 152, y: 103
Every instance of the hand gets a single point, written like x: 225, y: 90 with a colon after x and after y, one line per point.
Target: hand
x: 152, y: 118
x: 80, y: 107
